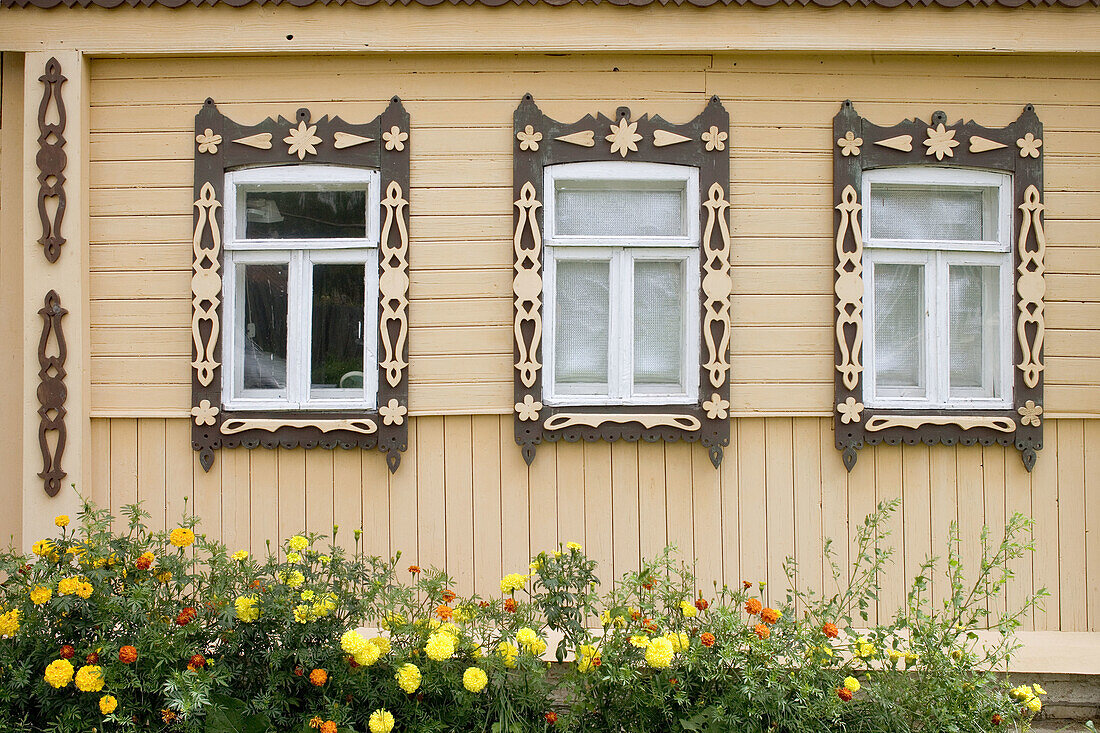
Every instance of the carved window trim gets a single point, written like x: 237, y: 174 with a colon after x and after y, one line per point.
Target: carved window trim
x: 223, y: 145
x: 1015, y: 149
x: 540, y: 141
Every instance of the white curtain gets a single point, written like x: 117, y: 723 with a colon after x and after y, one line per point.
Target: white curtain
x: 622, y: 212
x: 899, y: 324
x: 582, y: 318
x: 658, y: 322
x: 921, y: 213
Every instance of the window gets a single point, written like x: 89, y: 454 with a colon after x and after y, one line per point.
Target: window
x: 938, y: 267
x: 301, y: 287
x: 622, y: 283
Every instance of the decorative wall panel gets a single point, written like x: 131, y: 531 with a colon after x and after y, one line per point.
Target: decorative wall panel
x: 52, y: 353
x: 540, y: 141
x: 221, y: 144
x: 1016, y: 149
x: 51, y: 160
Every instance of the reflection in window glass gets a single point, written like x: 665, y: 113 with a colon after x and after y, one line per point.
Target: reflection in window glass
x: 658, y: 322
x: 583, y: 303
x: 338, y: 301
x: 899, y: 325
x: 331, y: 214
x: 265, y: 325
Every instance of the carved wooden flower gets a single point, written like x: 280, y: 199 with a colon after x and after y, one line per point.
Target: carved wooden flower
x: 940, y: 142
x: 393, y: 412
x: 717, y: 407
x: 1030, y: 412
x: 715, y: 138
x: 850, y: 410
x: 529, y: 408
x: 208, y: 141
x: 528, y: 138
x: 302, y: 140
x: 624, y: 137
x: 849, y: 144
x: 1029, y: 146
x: 204, y: 413
x: 395, y: 139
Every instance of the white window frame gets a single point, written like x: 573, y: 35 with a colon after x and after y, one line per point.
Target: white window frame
x: 300, y: 255
x: 937, y: 256
x: 621, y: 252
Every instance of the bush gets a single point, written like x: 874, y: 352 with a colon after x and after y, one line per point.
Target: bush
x: 139, y: 630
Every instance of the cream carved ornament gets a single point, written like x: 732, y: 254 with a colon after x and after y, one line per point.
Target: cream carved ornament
x: 717, y: 286
x: 237, y: 425
x: 527, y: 286
x: 206, y: 286
x: 882, y: 422
x: 1031, y: 287
x: 849, y: 288
x: 564, y: 420
x: 393, y: 285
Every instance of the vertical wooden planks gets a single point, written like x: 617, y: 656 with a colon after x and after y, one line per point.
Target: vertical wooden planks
x: 458, y: 498
x: 1071, y: 525
x: 915, y: 488
x: 993, y: 489
x: 624, y: 508
x: 430, y: 494
x: 543, y: 495
x: 652, y: 516
x: 1018, y: 501
x: 678, y: 498
x: 570, y: 476
x: 347, y: 497
x: 752, y: 500
x: 1044, y: 506
x: 944, y: 507
x: 264, y: 499
x: 834, y: 508
x: 971, y: 511
x: 318, y: 492
x: 235, y: 499
x: 487, y: 522
x: 861, y: 502
x: 396, y: 493
x: 888, y: 482
x: 706, y: 487
x: 515, y: 505
x: 292, y: 493
x: 179, y: 462
x: 99, y: 489
x: 808, y: 537
x: 779, y: 493
x: 124, y: 467
x: 598, y: 521
x: 1092, y: 522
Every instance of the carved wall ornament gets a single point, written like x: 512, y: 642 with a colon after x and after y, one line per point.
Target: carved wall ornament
x: 52, y: 353
x: 849, y: 144
x: 307, y: 141
x: 528, y: 138
x: 857, y: 424
x: 647, y: 139
x: 51, y: 160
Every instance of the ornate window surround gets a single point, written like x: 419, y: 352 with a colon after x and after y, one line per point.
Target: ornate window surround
x: 540, y: 141
x: 223, y: 145
x: 1016, y: 149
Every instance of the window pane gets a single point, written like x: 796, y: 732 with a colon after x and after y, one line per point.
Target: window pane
x: 974, y: 330
x: 929, y: 212
x: 338, y: 328
x: 583, y: 313
x: 305, y: 214
x: 658, y: 322
x: 619, y: 212
x: 265, y: 316
x: 899, y: 325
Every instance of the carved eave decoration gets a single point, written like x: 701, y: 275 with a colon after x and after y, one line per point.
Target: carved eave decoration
x: 539, y: 141
x: 222, y: 144
x: 1017, y: 149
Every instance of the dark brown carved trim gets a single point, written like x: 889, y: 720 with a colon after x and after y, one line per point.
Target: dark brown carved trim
x: 538, y: 141
x: 51, y: 391
x: 223, y: 144
x: 503, y: 3
x: 1017, y: 149
x: 51, y: 160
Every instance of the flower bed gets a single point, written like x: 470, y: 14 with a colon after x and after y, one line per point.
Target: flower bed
x: 140, y: 630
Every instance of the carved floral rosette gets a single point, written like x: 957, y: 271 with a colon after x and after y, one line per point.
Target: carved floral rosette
x: 539, y: 141
x: 1016, y: 149
x: 222, y: 144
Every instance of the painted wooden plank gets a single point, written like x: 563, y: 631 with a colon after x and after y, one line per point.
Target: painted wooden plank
x: 179, y: 463
x: 400, y: 498
x: 1092, y: 522
x: 599, y: 522
x: 458, y: 500
x: 1018, y: 500
x: 347, y: 496
x: 488, y: 521
x: 515, y: 505
x: 236, y: 499
x: 543, y: 498
x: 151, y: 487
x: 945, y: 502
x: 678, y: 496
x: 652, y: 507
x: 1073, y: 612
x: 319, y: 493
x: 624, y: 508
x: 752, y: 500
x: 571, y: 489
x: 263, y: 500
x: 971, y: 511
x: 706, y: 519
x: 99, y: 488
x: 1045, y: 493
x: 861, y: 502
x: 124, y: 467
x: 916, y: 495
x: 292, y: 493
x: 808, y: 529
x: 780, y: 501
x: 431, y: 494
x: 993, y: 491
x: 207, y: 502
x: 729, y: 479
x: 834, y: 510
x: 888, y: 487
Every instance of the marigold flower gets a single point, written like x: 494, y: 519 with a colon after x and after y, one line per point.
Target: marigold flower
x: 107, y: 704
x: 770, y: 615
x: 844, y: 694
x: 639, y: 640
x: 414, y: 569
x: 680, y: 642
x: 61, y: 520
x: 329, y: 726
x: 168, y: 716
x: 512, y: 582
x: 1038, y: 690
x: 293, y: 579
x: 474, y: 679
x: 551, y: 718
x: 293, y: 558
x: 996, y: 719
x: 9, y: 623
x: 89, y: 678
x: 444, y: 612
x: 830, y: 630
x: 408, y: 677
x: 707, y: 639
x: 510, y: 605
x: 658, y: 654
x: 753, y: 606
x: 59, y: 673
x: 440, y: 647
x: 701, y: 603
x: 181, y: 537
x: 92, y: 658
x: 318, y: 677
x: 246, y: 608
x: 240, y: 555
x: 381, y: 721
x: 196, y: 663
x: 746, y: 584
x: 382, y: 643
x: 297, y: 543
x: 851, y: 684
x: 574, y: 547
x: 864, y: 648
x: 127, y: 654
x: 43, y: 547
x: 688, y: 609
x: 186, y: 616
x: 316, y: 721
x: 762, y: 631
x: 145, y: 561
x: 448, y: 595
x: 368, y: 655
x: 508, y: 652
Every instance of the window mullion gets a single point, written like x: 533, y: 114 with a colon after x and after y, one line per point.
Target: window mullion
x: 298, y: 331
x: 622, y: 324
x: 941, y: 309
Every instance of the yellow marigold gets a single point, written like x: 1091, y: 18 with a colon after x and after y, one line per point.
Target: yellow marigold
x: 352, y: 642
x: 587, y: 663
x: 298, y: 543
x: 1038, y: 690
x: 9, y: 622
x: 574, y: 546
x: 512, y: 582
x: 474, y: 679
x: 440, y: 646
x: 408, y: 677
x: 381, y: 721
x: 640, y: 640
x: 526, y: 637
x: 368, y: 655
x: 107, y: 704
x: 43, y: 547
x: 293, y: 558
x: 316, y: 721
x: 246, y: 608
x: 89, y: 678
x: 605, y: 617
x: 864, y: 648
x: 508, y: 652
x: 61, y: 520
x: 659, y: 653
x: 293, y: 579
x: 303, y: 614
x: 382, y: 642
x: 59, y: 673
x: 164, y: 576
x: 851, y: 684
x: 391, y: 619
x: 181, y: 537
x: 680, y: 642
x: 324, y: 559
x: 67, y: 586
x: 1034, y: 704
x: 910, y: 659
x: 688, y: 609
x: 535, y: 566
x: 84, y: 589
x: 41, y: 594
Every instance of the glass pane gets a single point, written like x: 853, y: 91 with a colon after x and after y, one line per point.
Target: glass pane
x: 658, y: 322
x: 899, y: 325
x: 619, y: 212
x: 930, y: 212
x: 338, y: 328
x: 305, y: 214
x: 265, y: 315
x: 583, y: 313
x: 974, y: 330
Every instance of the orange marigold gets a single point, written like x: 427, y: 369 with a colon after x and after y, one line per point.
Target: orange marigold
x: 769, y: 615
x: 186, y: 616
x: 762, y: 631
x: 753, y: 606
x: 318, y: 677
x: 996, y: 719
x: 701, y: 603
x: 448, y: 595
x: 707, y: 639
x: 92, y: 658
x: 127, y: 654
x: 444, y: 612
x: 328, y: 727
x: 830, y: 630
x: 746, y: 584
x: 510, y: 605
x: 551, y: 718
x: 844, y: 693
x: 316, y: 721
x: 414, y: 569
x: 67, y: 652
x: 168, y: 715
x: 196, y: 663
x: 145, y: 561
